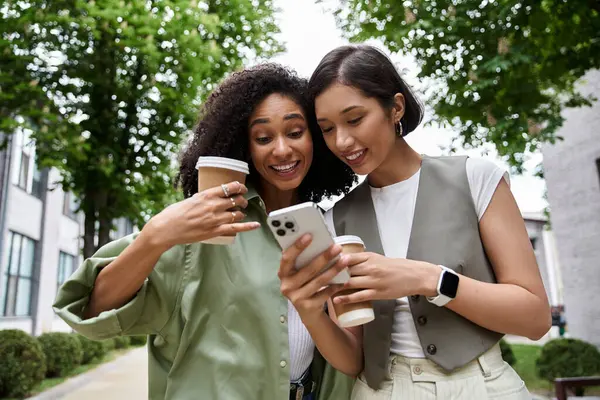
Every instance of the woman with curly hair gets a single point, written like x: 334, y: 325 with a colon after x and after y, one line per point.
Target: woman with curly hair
x: 218, y: 325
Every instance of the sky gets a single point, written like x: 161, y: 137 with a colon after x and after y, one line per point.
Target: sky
x: 309, y: 31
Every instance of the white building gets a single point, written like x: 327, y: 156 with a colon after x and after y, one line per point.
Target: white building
x: 572, y: 172
x: 40, y: 239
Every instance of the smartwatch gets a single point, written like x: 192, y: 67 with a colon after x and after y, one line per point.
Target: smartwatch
x: 447, y: 287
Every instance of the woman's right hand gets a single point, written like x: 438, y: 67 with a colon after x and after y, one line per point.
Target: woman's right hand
x: 205, y: 215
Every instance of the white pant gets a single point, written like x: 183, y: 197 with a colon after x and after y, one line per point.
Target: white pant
x: 488, y: 377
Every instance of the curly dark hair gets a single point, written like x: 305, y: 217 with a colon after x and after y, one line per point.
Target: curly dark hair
x: 222, y: 131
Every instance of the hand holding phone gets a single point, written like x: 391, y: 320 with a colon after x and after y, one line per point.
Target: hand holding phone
x: 290, y: 223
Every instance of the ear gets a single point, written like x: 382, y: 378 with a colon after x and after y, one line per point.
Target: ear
x: 399, y: 107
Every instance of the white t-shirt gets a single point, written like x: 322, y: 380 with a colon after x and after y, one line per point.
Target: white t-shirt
x: 395, y: 208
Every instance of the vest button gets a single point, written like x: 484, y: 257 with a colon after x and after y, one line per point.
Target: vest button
x: 415, y: 297
x: 422, y: 320
x: 431, y: 349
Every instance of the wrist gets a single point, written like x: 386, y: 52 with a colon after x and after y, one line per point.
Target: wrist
x: 150, y: 238
x: 314, y: 320
x: 429, y: 278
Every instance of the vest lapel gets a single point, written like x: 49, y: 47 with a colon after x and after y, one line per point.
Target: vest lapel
x: 363, y: 223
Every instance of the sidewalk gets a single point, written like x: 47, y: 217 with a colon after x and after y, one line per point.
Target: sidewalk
x: 124, y: 378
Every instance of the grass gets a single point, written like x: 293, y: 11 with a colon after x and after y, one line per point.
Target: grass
x: 49, y: 383
x: 526, y: 356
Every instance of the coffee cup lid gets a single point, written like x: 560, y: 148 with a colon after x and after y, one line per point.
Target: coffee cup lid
x: 222, y: 162
x: 349, y: 239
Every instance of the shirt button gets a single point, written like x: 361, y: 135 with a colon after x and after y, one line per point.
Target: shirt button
x: 431, y: 349
x: 282, y: 319
x: 282, y: 364
x: 417, y: 370
x: 422, y: 320
x: 261, y: 204
x: 415, y: 297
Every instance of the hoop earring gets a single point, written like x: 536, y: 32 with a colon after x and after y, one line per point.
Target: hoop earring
x: 398, y: 127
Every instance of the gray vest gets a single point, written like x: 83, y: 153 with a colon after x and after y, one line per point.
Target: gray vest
x: 445, y: 231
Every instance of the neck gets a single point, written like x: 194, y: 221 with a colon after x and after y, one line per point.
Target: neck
x: 276, y: 199
x: 401, y: 163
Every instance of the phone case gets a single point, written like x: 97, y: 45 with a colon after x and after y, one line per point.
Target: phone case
x: 290, y: 223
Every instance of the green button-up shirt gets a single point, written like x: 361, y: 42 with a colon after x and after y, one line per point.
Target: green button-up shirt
x: 213, y: 314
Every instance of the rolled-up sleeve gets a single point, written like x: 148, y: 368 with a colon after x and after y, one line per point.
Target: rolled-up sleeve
x: 146, y: 313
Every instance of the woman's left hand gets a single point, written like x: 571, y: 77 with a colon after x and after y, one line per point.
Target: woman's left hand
x: 382, y: 278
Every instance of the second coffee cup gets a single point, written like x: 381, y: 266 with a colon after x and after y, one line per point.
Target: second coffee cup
x: 352, y: 314
x: 216, y: 171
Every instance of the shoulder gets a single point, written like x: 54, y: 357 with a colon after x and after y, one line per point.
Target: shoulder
x: 481, y: 171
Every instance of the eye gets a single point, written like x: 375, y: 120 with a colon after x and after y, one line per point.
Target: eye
x: 355, y: 121
x: 326, y: 130
x: 296, y: 134
x: 263, y: 140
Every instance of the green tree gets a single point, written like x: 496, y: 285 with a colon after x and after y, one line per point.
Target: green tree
x: 499, y: 71
x: 126, y: 78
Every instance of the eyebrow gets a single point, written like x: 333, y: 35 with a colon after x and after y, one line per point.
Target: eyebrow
x: 344, y: 111
x: 286, y: 117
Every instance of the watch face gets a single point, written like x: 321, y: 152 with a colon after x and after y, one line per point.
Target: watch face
x: 449, y: 285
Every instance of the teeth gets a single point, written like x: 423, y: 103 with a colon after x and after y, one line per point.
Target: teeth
x: 355, y: 156
x: 284, y: 168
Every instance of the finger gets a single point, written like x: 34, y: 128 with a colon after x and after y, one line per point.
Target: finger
x: 314, y: 268
x: 323, y: 280
x: 229, y: 217
x: 289, y: 256
x: 233, y: 188
x: 356, y: 297
x: 229, y: 229
x: 323, y: 295
x: 359, y: 282
x: 356, y: 258
x: 231, y: 203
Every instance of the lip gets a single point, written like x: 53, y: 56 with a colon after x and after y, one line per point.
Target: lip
x: 356, y: 161
x: 287, y: 174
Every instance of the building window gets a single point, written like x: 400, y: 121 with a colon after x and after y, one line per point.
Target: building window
x: 598, y: 167
x: 66, y: 266
x: 26, y: 174
x: 18, y: 277
x: 70, y: 205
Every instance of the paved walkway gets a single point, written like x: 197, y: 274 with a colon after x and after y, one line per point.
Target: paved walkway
x: 123, y: 378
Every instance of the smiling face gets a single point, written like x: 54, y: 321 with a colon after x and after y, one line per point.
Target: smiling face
x: 281, y: 145
x: 356, y: 128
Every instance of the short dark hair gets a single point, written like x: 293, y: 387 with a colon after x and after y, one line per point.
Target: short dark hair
x: 373, y: 73
x: 222, y: 131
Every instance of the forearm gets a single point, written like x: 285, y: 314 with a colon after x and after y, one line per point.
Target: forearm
x: 119, y: 281
x: 341, y: 348
x: 501, y: 307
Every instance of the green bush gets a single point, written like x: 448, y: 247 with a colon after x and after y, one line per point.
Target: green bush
x: 92, y: 349
x: 564, y: 358
x: 63, y: 353
x: 122, y: 342
x: 507, y: 353
x: 109, y: 345
x: 22, y: 363
x: 139, y: 340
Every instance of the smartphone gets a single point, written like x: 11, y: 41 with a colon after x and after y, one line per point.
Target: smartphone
x: 290, y: 223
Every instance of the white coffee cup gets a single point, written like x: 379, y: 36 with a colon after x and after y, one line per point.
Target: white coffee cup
x: 216, y: 171
x: 355, y: 313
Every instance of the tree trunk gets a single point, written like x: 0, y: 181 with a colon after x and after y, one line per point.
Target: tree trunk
x: 104, y: 231
x: 89, y: 247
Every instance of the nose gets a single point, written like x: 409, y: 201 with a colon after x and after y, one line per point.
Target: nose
x: 343, y: 140
x: 282, y: 149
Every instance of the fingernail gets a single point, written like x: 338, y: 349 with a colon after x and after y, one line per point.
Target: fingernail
x: 305, y: 240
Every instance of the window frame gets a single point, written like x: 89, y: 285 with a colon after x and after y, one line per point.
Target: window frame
x: 9, y: 305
